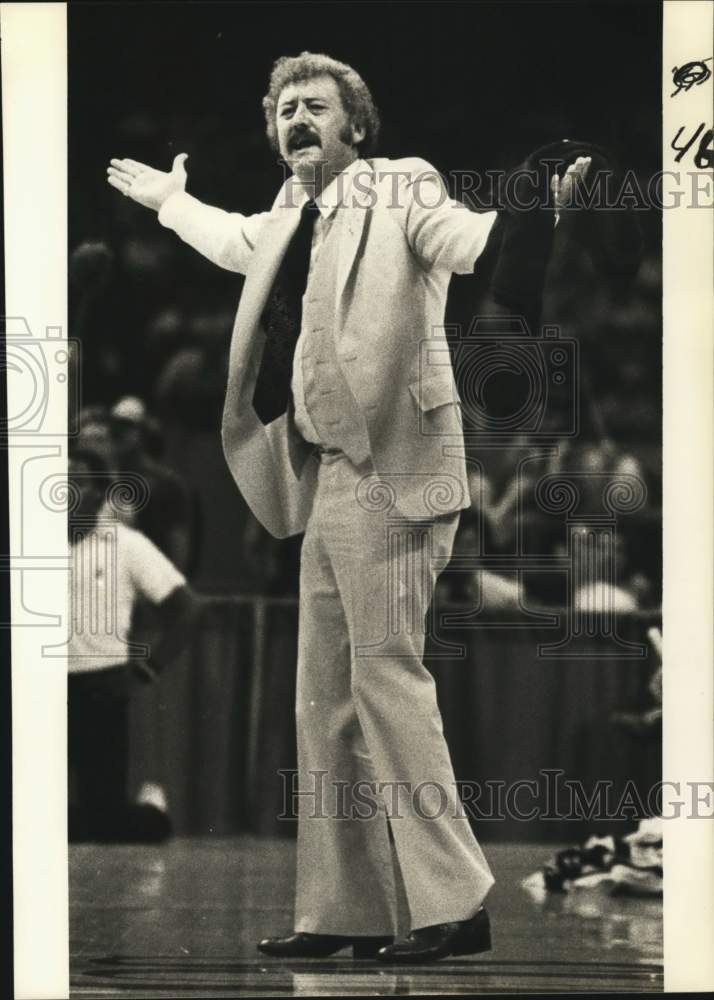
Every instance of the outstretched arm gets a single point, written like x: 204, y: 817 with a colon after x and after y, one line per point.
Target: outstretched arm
x: 441, y: 232
x: 225, y: 238
x: 444, y: 232
x: 523, y: 239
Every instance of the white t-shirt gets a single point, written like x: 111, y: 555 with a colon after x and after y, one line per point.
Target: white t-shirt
x: 112, y: 566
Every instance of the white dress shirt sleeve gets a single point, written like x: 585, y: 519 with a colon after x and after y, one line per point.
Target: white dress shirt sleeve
x: 442, y: 232
x: 225, y: 238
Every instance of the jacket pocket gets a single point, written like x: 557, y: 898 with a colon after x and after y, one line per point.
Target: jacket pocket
x: 437, y: 390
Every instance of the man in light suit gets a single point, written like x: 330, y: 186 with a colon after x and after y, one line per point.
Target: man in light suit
x: 342, y: 420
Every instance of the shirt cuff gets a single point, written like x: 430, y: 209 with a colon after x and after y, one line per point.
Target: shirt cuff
x: 173, y: 209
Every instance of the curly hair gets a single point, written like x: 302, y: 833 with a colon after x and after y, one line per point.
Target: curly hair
x: 356, y: 98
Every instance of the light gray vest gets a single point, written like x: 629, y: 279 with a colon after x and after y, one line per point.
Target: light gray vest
x: 331, y: 406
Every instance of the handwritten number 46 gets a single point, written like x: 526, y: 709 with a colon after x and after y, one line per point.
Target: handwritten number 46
x: 704, y: 157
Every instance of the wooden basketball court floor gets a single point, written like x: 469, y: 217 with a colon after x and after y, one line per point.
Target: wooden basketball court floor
x: 181, y: 920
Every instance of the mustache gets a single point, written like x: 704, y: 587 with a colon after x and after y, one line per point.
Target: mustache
x: 302, y: 136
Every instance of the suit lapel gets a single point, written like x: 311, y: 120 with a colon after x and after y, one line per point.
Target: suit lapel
x: 247, y: 341
x: 352, y: 226
x: 264, y: 265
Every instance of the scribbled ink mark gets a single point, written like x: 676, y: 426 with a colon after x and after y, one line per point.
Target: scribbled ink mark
x: 692, y: 74
x: 704, y: 156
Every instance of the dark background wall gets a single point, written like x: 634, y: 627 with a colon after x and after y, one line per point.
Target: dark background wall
x: 467, y: 85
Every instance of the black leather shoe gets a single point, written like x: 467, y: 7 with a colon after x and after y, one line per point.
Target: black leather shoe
x: 428, y: 944
x: 302, y: 945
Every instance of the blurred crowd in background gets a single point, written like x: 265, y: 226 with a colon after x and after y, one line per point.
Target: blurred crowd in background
x: 484, y: 86
x: 154, y: 343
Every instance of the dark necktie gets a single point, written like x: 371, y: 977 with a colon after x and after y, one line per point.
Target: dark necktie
x: 282, y: 318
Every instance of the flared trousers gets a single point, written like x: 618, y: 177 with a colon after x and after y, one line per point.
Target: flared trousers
x: 370, y: 740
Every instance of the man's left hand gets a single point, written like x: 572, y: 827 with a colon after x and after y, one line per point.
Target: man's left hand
x: 563, y: 188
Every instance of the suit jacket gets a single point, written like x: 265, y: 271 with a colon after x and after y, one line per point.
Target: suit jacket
x: 400, y: 239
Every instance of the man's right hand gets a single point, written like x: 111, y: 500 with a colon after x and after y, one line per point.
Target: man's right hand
x: 146, y: 185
